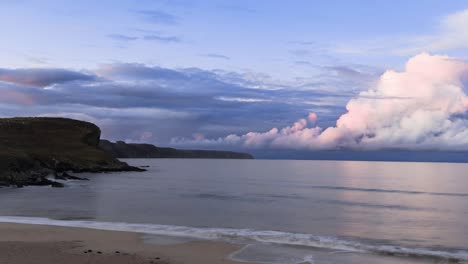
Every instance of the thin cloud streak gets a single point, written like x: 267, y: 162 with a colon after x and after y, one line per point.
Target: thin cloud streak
x: 216, y: 56
x: 159, y: 38
x: 158, y: 17
x: 121, y: 37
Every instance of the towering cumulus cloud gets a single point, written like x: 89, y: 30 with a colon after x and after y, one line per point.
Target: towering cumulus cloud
x: 423, y: 107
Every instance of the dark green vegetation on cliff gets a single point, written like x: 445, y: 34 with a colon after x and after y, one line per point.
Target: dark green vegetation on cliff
x: 123, y: 150
x: 33, y: 148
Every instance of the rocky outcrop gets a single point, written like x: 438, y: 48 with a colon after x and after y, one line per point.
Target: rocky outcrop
x: 121, y: 149
x: 33, y: 148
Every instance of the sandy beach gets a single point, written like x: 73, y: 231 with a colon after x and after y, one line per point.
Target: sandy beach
x: 33, y: 244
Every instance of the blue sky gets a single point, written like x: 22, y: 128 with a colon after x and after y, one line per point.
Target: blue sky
x: 189, y: 69
x: 264, y: 36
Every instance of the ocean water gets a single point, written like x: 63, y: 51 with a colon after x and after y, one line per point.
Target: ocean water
x: 281, y: 211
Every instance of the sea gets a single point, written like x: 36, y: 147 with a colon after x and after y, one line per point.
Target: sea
x: 278, y: 211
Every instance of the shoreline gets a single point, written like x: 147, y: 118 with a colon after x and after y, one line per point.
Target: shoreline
x: 27, y: 243
x: 22, y: 243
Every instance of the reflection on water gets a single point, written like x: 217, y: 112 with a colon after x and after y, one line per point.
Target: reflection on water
x: 406, y: 204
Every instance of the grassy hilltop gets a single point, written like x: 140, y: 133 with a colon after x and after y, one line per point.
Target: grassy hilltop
x: 33, y: 148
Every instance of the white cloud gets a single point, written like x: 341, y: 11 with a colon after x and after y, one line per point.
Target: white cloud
x: 450, y: 33
x: 241, y: 99
x: 422, y: 107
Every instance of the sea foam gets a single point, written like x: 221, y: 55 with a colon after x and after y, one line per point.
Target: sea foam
x: 247, y: 236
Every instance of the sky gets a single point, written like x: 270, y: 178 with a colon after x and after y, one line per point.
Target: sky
x: 243, y: 75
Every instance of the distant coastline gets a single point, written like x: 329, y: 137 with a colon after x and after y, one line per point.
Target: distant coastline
x: 121, y: 149
x: 34, y: 150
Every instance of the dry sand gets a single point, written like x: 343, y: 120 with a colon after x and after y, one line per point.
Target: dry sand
x: 37, y: 244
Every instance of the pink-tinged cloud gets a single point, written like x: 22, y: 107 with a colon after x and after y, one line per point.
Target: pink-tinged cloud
x: 198, y: 136
x: 14, y: 97
x: 146, y: 136
x: 312, y: 117
x: 42, y: 77
x: 423, y: 107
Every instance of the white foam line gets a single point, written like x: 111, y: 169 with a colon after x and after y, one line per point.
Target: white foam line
x: 241, y: 235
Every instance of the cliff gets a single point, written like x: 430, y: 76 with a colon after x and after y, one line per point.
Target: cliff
x: 33, y: 148
x: 123, y: 150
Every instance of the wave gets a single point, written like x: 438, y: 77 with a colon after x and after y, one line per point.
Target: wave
x: 342, y: 188
x: 384, y: 206
x: 248, y: 236
x: 242, y: 197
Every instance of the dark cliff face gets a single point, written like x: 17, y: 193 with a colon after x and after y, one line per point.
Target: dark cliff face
x: 30, y: 148
x: 123, y: 150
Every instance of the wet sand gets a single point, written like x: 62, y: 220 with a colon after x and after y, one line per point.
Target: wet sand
x: 37, y: 244
x: 32, y: 244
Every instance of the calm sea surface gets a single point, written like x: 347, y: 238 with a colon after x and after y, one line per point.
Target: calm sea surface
x: 284, y: 211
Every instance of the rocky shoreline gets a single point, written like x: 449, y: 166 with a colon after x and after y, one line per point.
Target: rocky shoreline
x: 41, y: 150
x: 34, y: 151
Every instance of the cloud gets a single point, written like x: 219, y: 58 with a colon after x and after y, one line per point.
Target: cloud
x: 216, y: 56
x: 449, y: 34
x: 159, y: 38
x: 303, y: 63
x: 132, y: 112
x: 121, y: 37
x: 37, y: 60
x: 352, y: 74
x: 16, y: 97
x: 150, y: 37
x: 242, y: 100
x: 306, y: 43
x: 452, y: 34
x: 423, y: 107
x: 138, y: 71
x: 343, y: 70
x: 158, y: 17
x: 300, y: 52
x: 128, y: 99
x: 42, y: 77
